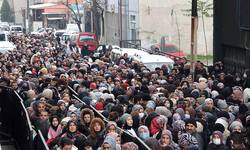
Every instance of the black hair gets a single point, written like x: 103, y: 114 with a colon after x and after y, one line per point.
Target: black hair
x: 137, y: 98
x: 236, y: 137
x: 65, y: 141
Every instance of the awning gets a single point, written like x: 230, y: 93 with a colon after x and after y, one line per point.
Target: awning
x: 42, y: 5
x: 55, y: 18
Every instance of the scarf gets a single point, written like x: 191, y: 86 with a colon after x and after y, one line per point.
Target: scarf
x: 51, y: 120
x: 71, y: 135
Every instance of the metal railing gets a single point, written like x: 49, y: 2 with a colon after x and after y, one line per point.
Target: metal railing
x: 40, y: 137
x: 136, y: 140
x: 15, y: 120
x: 130, y: 43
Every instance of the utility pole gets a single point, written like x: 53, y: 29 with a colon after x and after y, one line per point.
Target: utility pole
x: 121, y: 23
x: 95, y: 21
x: 194, y: 27
x: 27, y: 16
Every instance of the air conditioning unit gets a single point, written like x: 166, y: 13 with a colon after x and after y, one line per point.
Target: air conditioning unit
x: 112, y: 8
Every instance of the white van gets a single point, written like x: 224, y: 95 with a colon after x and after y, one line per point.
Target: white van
x: 154, y: 61
x: 16, y: 29
x: 131, y: 52
x: 73, y: 27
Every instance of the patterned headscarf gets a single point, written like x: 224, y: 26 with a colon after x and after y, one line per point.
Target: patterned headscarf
x: 129, y: 146
x: 179, y: 125
x: 186, y: 140
x: 176, y: 117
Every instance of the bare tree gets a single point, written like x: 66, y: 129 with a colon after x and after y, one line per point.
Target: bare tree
x: 76, y: 14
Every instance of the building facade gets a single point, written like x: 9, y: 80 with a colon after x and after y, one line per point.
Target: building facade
x: 165, y: 18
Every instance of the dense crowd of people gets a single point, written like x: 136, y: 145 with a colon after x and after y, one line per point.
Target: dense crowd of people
x: 167, y: 108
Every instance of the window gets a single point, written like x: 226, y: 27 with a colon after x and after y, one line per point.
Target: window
x: 87, y: 38
x: 132, y: 18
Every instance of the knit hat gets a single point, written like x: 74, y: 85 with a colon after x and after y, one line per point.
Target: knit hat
x: 206, y: 108
x: 124, y: 117
x: 99, y: 106
x: 220, y: 135
x: 111, y: 140
x: 200, y: 100
x: 234, y: 124
x: 181, y: 112
x: 186, y: 140
x: 218, y: 127
x: 192, y: 121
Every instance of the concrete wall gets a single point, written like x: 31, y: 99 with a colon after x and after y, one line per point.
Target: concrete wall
x: 160, y: 18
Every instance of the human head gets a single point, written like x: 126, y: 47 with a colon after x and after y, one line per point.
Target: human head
x: 109, y: 143
x: 217, y: 137
x: 65, y: 143
x: 166, y: 138
x: 44, y: 115
x: 71, y: 126
x: 236, y: 139
x: 236, y: 126
x: 143, y: 132
x: 190, y: 124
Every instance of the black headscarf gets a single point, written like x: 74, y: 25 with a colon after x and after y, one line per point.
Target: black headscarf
x: 51, y: 120
x: 71, y: 135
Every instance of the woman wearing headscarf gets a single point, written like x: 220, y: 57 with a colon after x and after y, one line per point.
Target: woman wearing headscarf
x: 55, y: 127
x: 109, y: 143
x: 72, y: 132
x: 167, y: 139
x: 153, y: 144
x: 178, y: 126
x: 143, y: 133
x: 238, y: 95
x: 111, y: 126
x: 38, y: 107
x: 62, y: 110
x: 96, y: 127
x: 128, y: 123
x: 217, y: 142
x: 129, y: 146
x: 210, y: 103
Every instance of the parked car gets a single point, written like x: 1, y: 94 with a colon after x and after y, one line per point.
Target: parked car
x: 172, y: 51
x: 41, y: 31
x: 60, y: 33
x: 154, y: 61
x: 100, y: 49
x: 16, y: 29
x: 5, y: 45
x: 86, y: 37
x: 130, y: 51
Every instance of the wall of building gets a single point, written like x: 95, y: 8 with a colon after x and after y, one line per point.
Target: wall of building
x: 113, y: 21
x: 160, y: 18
